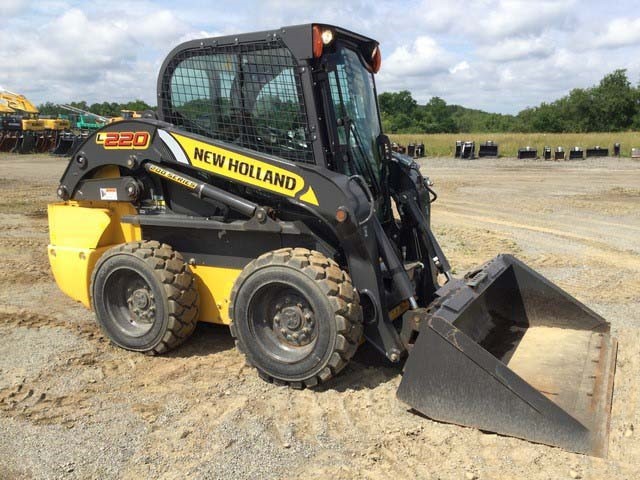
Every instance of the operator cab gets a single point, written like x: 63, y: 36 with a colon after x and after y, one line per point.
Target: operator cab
x: 305, y: 94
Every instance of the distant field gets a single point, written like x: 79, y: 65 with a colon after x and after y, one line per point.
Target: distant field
x: 443, y: 144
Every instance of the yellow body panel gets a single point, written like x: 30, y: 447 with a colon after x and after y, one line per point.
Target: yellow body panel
x: 108, y: 171
x: 214, y: 289
x: 73, y: 226
x: 32, y: 125
x: 91, y: 224
x: 72, y: 268
x: 56, y: 123
x: 80, y: 232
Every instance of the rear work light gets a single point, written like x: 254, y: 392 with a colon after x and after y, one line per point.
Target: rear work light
x: 376, y: 59
x: 321, y: 37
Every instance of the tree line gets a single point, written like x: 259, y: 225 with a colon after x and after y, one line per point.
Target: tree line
x: 104, y: 109
x: 610, y: 106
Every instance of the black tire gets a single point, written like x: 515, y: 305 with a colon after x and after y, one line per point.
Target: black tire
x: 145, y: 297
x: 296, y: 317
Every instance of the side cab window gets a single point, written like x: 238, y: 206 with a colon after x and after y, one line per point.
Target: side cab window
x: 252, y: 99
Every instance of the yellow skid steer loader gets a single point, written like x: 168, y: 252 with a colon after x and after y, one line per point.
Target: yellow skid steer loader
x: 261, y: 197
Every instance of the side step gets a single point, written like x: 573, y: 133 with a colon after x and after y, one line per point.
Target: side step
x: 506, y: 350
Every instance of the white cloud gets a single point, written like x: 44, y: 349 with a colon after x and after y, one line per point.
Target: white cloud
x: 460, y: 68
x: 489, y: 20
x: 193, y: 35
x: 423, y: 57
x: 620, y: 32
x: 523, y: 17
x: 517, y: 49
x: 500, y: 55
x: 98, y: 57
x: 441, y: 15
x: 510, y: 86
x: 12, y: 7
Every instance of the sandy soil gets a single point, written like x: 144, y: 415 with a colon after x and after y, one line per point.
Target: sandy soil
x: 73, y: 406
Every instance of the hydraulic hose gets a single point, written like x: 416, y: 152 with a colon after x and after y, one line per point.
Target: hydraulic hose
x: 203, y: 189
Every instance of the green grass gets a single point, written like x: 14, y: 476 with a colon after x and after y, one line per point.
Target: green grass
x: 443, y: 144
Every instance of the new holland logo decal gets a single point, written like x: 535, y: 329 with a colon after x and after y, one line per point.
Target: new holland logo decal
x: 246, y: 169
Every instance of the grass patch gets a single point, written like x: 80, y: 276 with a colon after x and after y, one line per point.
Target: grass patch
x: 443, y: 144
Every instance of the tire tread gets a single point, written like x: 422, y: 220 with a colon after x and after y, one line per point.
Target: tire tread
x: 178, y: 282
x: 336, y: 285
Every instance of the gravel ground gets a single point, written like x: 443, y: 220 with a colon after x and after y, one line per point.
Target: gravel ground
x: 73, y: 406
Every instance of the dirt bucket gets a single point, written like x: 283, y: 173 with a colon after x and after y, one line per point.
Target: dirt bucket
x: 506, y: 350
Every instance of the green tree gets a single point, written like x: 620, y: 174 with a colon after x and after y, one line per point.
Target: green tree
x: 440, y: 115
x: 615, y: 101
x: 137, y: 105
x: 395, y: 103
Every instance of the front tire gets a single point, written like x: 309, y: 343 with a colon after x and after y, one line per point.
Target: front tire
x: 145, y: 297
x: 296, y: 317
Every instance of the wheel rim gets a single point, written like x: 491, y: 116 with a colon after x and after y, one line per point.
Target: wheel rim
x: 282, y: 322
x: 130, y: 302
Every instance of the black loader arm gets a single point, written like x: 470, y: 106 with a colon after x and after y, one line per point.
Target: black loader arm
x: 152, y: 155
x: 413, y: 196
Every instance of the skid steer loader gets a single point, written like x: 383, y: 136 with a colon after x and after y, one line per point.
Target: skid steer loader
x: 265, y: 196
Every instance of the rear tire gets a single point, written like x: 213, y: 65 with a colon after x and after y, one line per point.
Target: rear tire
x: 145, y: 297
x: 296, y: 317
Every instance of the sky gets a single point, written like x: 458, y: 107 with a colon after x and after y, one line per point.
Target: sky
x: 496, y: 55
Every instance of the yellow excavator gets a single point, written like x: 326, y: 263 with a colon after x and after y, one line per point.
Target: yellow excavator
x: 5, y: 108
x: 28, y: 111
x: 25, y: 132
x: 126, y: 115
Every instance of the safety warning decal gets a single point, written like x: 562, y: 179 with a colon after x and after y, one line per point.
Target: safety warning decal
x: 108, y: 194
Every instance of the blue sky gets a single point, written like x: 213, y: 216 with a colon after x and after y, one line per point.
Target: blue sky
x: 497, y: 55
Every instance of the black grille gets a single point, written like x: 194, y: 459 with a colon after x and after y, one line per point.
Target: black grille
x: 249, y: 95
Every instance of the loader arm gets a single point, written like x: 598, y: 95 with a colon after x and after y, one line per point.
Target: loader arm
x: 360, y: 239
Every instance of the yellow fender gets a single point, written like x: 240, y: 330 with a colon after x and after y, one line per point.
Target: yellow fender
x: 80, y: 232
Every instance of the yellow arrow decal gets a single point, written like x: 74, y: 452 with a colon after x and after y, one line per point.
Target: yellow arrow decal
x: 236, y: 166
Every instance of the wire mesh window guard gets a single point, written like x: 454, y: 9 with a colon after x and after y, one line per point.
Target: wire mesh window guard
x: 248, y: 95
